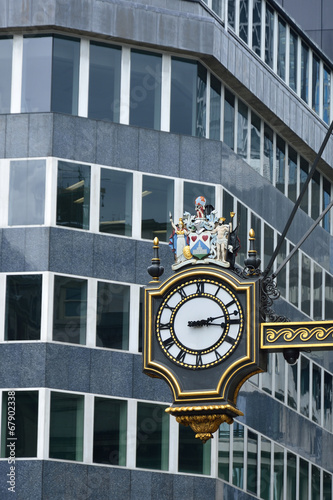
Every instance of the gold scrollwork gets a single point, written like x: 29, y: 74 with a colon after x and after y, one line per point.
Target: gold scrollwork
x: 204, y: 425
x: 304, y: 334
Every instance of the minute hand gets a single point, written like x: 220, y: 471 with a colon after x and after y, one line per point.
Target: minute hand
x: 204, y: 322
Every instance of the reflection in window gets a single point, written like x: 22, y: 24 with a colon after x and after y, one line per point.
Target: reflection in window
x: 26, y: 192
x: 145, y: 93
x: 280, y: 367
x: 65, y: 75
x: 328, y: 388
x: 303, y: 479
x: 317, y: 292
x: 326, y: 94
x: 280, y: 163
x: 66, y: 426
x: 269, y: 36
x: 316, y: 393
x: 328, y: 296
x: 282, y: 276
x: 327, y: 486
x: 265, y: 469
x: 242, y: 129
x: 188, y: 97
x: 292, y: 386
x: 326, y: 202
x: 73, y: 195
x: 291, y: 475
x: 256, y: 226
x: 215, y: 109
x: 278, y: 472
x: 293, y: 278
x: 315, y: 198
x: 315, y: 83
x: 238, y: 455
x: 70, y: 310
x: 157, y: 202
x: 304, y: 72
x: 268, y: 153
x: 228, y: 204
x: 224, y: 451
x: 217, y: 7
x: 242, y: 231
x: 104, y: 82
x: 141, y: 319
x: 193, y: 456
x: 23, y: 307
x: 305, y: 386
x: 304, y: 170
x: 229, y: 118
x: 281, y: 57
x: 293, y: 61
x: 315, y: 483
x: 243, y: 19
x: 23, y: 405
x: 252, y: 455
x: 116, y: 202
x: 256, y: 33
x: 113, y: 303
x: 292, y: 172
x: 268, y: 245
x: 255, y: 142
x: 231, y: 13
x: 110, y: 418
x: 6, y: 49
x: 192, y: 190
x: 266, y: 377
x: 306, y: 285
x: 152, y: 449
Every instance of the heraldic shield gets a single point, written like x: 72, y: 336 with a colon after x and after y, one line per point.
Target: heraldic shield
x: 200, y: 245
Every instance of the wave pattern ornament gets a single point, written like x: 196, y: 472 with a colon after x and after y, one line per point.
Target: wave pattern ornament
x: 303, y: 334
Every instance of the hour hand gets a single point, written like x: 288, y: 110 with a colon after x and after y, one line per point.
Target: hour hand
x: 205, y: 322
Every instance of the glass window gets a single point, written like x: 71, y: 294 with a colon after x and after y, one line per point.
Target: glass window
x: 328, y: 297
x: 6, y: 49
x: 316, y: 394
x: 193, y: 456
x: 73, y: 195
x: 306, y: 288
x: 278, y: 472
x: 157, y: 203
x: 252, y: 454
x: 256, y: 226
x: 315, y: 199
x: 317, y: 292
x: 238, y: 455
x: 228, y: 204
x: 326, y: 202
x: 327, y: 486
x: 116, y: 202
x: 243, y: 232
x: 192, y: 190
x: 65, y: 75
x: 305, y: 73
x: 22, y: 406
x: 66, y: 426
x: 104, y: 82
x: 255, y: 142
x: 113, y: 304
x: 280, y: 367
x: 188, y: 97
x: 217, y: 7
x: 315, y: 83
x: 242, y: 129
x: 224, y: 451
x: 268, y: 244
x: 281, y: 57
x: 326, y: 94
x: 269, y: 36
x: 266, y: 377
x: 26, y: 192
x: 265, y: 469
x: 256, y: 27
x: 293, y: 60
x: 145, y: 93
x: 243, y: 19
x: 292, y: 174
x: 291, y: 475
x: 303, y: 479
x: 36, y: 74
x: 215, y: 109
x: 305, y: 386
x: 152, y: 449
x: 229, y: 118
x: 280, y: 163
x: 328, y: 388
x: 315, y: 483
x: 23, y: 307
x: 70, y: 310
x: 292, y: 386
x: 282, y: 276
x: 110, y: 423
x: 293, y: 278
x: 141, y: 318
x: 304, y: 171
x: 231, y: 13
x: 268, y: 153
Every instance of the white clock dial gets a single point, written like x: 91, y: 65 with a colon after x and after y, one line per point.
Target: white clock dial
x: 199, y: 323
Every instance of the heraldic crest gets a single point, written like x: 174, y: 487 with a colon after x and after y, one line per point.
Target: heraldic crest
x: 204, y: 238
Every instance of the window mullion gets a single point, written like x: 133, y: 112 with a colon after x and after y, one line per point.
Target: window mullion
x: 84, y: 78
x: 125, y: 80
x: 88, y: 429
x: 166, y: 93
x: 17, y: 68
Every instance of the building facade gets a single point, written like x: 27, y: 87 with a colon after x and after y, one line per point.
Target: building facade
x: 115, y: 113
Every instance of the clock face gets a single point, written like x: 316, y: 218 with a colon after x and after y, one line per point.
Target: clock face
x: 199, y: 323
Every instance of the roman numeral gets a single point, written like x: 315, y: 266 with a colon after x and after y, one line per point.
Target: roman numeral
x: 169, y: 307
x: 200, y: 288
x: 230, y: 303
x: 217, y: 291
x: 182, y: 293
x: 181, y: 356
x: 230, y: 340
x: 218, y: 355
x: 234, y: 321
x: 168, y: 343
x: 198, y: 360
x: 165, y: 326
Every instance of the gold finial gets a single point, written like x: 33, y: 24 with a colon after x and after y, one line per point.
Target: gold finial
x: 156, y: 241
x: 232, y: 214
x: 222, y: 219
x: 252, y: 234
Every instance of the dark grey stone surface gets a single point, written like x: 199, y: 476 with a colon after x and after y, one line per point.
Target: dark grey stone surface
x: 28, y: 479
x: 68, y: 367
x: 17, y: 136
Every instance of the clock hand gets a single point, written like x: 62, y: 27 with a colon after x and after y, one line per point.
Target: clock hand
x: 206, y: 322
